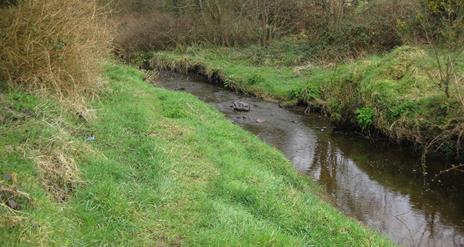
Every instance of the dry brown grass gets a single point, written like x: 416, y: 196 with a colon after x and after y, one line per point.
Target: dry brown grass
x: 54, y: 45
x: 59, y: 174
x: 55, y: 159
x: 11, y: 196
x: 12, y: 200
x: 57, y: 167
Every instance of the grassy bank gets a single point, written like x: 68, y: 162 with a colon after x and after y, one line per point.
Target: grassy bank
x: 153, y: 168
x: 235, y: 70
x: 391, y: 95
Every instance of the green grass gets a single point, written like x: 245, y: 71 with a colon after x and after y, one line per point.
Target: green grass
x: 238, y: 69
x: 403, y: 102
x: 165, y: 169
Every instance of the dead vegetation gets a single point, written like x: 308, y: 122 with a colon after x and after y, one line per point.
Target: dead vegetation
x: 55, y: 158
x: 58, y: 172
x: 55, y: 155
x: 54, y: 46
x: 53, y: 148
x: 12, y: 200
x: 332, y: 29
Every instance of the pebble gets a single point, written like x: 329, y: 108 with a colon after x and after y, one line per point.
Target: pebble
x: 12, y: 204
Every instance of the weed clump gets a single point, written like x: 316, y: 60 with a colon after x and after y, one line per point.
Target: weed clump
x: 365, y: 117
x: 54, y: 45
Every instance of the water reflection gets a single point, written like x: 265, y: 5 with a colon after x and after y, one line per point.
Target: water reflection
x: 375, y: 183
x: 404, y: 213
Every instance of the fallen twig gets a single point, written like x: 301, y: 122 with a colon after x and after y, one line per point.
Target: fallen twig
x: 454, y: 168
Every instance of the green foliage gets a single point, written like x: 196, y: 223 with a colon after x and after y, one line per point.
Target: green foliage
x: 365, y: 117
x: 154, y: 176
x: 408, y: 108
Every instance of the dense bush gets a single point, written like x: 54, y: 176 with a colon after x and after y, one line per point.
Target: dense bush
x: 56, y: 45
x: 364, y: 27
x: 161, y: 24
x: 334, y: 29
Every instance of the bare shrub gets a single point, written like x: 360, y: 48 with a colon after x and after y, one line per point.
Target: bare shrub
x: 443, y: 23
x: 150, y: 31
x: 53, y: 45
x: 275, y: 18
x: 160, y: 24
x: 339, y: 30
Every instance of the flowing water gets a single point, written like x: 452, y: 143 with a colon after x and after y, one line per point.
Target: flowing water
x: 380, y: 184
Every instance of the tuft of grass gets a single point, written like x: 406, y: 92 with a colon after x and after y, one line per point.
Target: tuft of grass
x: 164, y: 169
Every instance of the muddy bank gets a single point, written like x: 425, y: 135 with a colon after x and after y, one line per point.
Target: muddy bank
x: 380, y: 184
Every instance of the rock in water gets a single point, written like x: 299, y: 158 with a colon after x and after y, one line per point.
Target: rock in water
x: 241, y: 106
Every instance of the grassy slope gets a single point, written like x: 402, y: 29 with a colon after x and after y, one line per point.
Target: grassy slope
x: 165, y: 169
x: 391, y: 93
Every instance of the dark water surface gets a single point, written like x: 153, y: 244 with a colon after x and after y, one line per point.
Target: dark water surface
x: 378, y: 183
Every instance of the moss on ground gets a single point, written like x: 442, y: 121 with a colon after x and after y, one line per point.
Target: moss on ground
x: 163, y: 169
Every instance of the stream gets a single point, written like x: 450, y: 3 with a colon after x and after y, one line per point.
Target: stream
x: 380, y: 184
